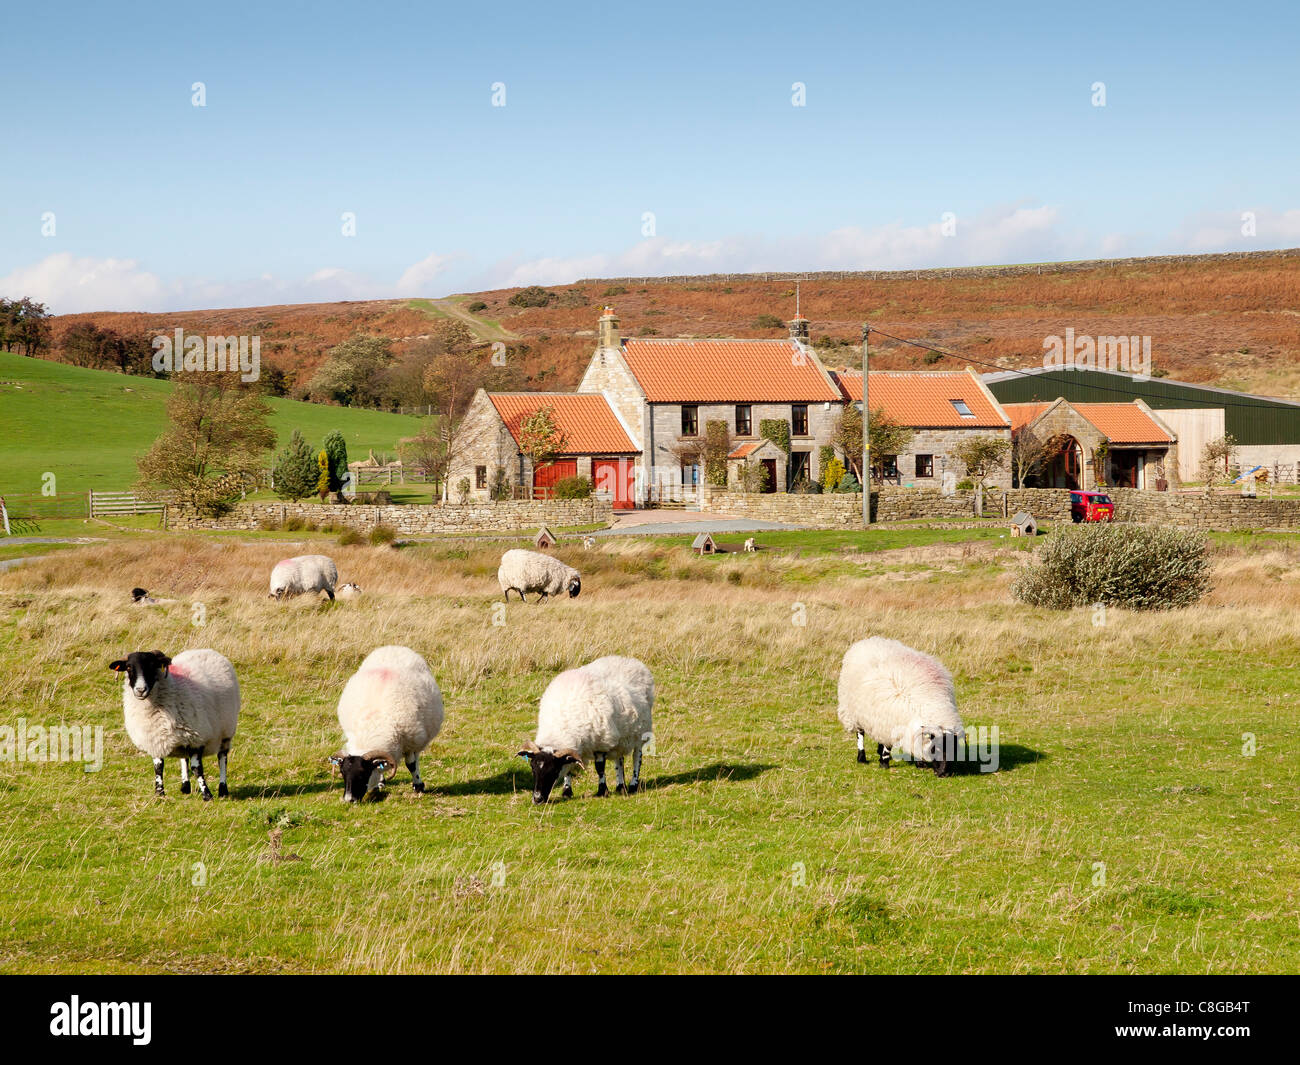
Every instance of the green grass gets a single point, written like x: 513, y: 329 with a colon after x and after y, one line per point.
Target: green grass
x: 87, y: 427
x: 759, y: 845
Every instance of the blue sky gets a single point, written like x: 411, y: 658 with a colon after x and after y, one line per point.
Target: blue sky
x: 913, y: 111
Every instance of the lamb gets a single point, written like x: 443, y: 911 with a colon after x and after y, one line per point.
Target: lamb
x: 529, y: 571
x: 390, y: 708
x: 904, y: 700
x: 185, y: 707
x: 302, y: 574
x: 599, y: 710
x: 351, y: 590
x: 749, y: 545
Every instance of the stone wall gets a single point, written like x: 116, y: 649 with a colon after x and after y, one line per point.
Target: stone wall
x: 510, y: 516
x: 836, y: 511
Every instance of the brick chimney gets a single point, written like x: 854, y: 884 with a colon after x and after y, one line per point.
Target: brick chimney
x: 608, y: 332
x: 799, y: 329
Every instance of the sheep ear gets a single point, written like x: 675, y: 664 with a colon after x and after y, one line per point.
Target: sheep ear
x: 337, y: 759
x: 570, y: 755
x: 165, y: 660
x: 118, y: 666
x: 526, y: 755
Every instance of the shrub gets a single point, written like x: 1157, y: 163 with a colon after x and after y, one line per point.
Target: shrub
x: 382, y: 534
x: 832, y: 474
x: 573, y: 488
x: 269, y: 525
x: 295, y: 472
x: 768, y: 321
x: 1142, y: 567
x: 294, y: 524
x: 462, y: 489
x: 532, y: 296
x: 476, y: 306
x: 350, y: 538
x: 965, y: 485
x: 848, y: 483
x: 615, y: 290
x: 805, y: 487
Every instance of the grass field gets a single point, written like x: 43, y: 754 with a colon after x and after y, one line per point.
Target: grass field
x: 87, y: 427
x: 758, y: 845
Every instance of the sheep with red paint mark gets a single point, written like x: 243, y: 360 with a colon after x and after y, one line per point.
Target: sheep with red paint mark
x: 183, y: 707
x: 390, y: 710
x: 904, y: 700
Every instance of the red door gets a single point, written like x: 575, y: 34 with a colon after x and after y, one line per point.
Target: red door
x: 544, y: 477
x: 617, y: 477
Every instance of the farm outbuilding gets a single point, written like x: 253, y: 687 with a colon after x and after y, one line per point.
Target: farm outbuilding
x: 1267, y: 429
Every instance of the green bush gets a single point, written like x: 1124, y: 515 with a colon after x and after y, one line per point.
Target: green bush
x: 382, y: 534
x: 572, y: 488
x: 476, y: 306
x: 965, y: 485
x: 768, y: 321
x: 615, y: 290
x: 294, y: 524
x: 832, y: 474
x: 1141, y: 567
x: 350, y: 538
x: 848, y: 483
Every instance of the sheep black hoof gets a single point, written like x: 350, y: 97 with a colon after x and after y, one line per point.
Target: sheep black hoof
x: 884, y: 763
x: 566, y: 793
x: 160, y: 793
x: 223, y: 792
x: 185, y: 787
x: 862, y: 757
x: 418, y: 788
x: 632, y: 788
x: 603, y: 791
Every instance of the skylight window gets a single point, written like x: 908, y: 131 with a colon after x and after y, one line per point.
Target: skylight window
x: 961, y: 407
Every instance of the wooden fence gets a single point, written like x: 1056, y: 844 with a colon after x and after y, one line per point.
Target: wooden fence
x: 116, y: 504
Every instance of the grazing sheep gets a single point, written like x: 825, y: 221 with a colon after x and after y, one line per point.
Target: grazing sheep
x: 390, y: 708
x: 904, y: 700
x: 749, y: 544
x: 528, y: 571
x: 185, y: 707
x: 305, y: 573
x: 600, y: 710
x: 350, y: 590
x: 139, y: 597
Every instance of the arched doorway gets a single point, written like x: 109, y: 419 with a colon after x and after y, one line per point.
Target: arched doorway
x: 1065, y: 468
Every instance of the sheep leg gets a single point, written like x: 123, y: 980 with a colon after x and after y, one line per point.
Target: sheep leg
x: 222, y: 791
x: 566, y: 782
x: 884, y: 753
x: 603, y: 789
x: 862, y: 747
x: 618, y: 772
x: 413, y: 764
x: 636, y: 772
x: 185, y: 776
x: 158, y: 776
x: 196, y: 765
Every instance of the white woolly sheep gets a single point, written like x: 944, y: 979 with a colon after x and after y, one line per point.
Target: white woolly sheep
x: 529, y: 571
x: 185, y: 707
x: 903, y: 699
x: 601, y: 710
x: 303, y: 574
x: 390, y: 708
x: 350, y: 590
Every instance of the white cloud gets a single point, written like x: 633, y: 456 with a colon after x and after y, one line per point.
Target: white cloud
x: 68, y: 284
x: 417, y: 278
x: 1222, y: 231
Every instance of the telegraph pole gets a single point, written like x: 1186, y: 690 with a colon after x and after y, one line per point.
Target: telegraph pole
x: 866, y: 434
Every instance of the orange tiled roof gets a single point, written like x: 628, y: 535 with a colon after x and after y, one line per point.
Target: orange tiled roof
x: 923, y: 400
x: 1120, y: 423
x: 745, y: 449
x: 727, y: 371
x: 1023, y: 413
x: 586, y: 418
x: 1123, y: 423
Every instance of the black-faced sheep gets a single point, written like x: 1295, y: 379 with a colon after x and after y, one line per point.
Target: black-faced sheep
x: 389, y: 710
x: 528, y: 571
x: 182, y: 707
x: 601, y: 710
x: 903, y: 699
x: 304, y: 574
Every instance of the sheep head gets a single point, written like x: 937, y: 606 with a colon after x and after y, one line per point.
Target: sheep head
x: 143, y: 670
x: 363, y: 774
x: 548, y: 766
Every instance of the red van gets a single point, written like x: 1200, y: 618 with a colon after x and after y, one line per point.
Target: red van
x: 1091, y: 506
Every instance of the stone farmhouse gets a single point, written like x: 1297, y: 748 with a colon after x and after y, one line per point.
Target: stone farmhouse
x: 1085, y: 445
x: 643, y: 409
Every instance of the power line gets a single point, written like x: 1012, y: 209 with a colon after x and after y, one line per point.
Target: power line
x: 1257, y: 405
